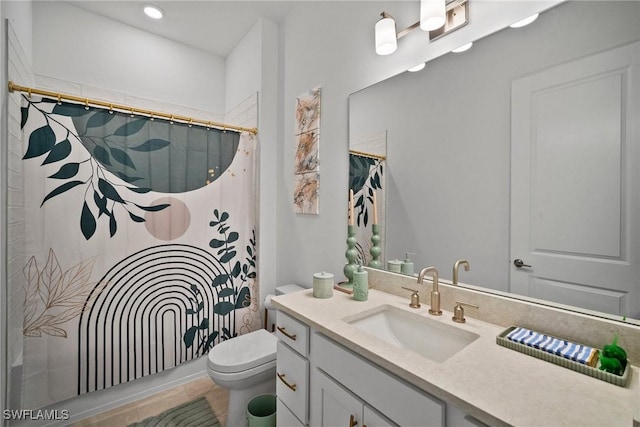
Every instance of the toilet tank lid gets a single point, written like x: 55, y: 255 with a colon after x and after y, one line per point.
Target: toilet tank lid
x: 285, y: 289
x: 243, y: 352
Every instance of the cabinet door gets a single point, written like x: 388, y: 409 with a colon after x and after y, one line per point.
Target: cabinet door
x: 285, y: 417
x: 332, y: 405
x: 397, y: 400
x: 374, y: 419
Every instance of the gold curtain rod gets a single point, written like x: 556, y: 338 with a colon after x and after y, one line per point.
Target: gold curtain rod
x: 128, y: 109
x: 369, y: 155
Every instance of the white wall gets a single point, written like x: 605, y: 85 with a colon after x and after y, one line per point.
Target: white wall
x: 253, y: 67
x: 19, y: 13
x: 77, y: 46
x: 15, y: 20
x: 19, y: 72
x: 331, y: 44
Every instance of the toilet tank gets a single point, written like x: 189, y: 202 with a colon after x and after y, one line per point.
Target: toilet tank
x: 285, y: 289
x: 269, y: 312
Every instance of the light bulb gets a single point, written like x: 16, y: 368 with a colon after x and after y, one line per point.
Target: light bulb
x: 386, y: 39
x: 432, y: 14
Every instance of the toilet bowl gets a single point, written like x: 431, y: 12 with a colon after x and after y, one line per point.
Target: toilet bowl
x: 246, y: 366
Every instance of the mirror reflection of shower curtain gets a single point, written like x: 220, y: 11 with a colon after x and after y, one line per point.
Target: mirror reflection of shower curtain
x: 367, y: 165
x: 140, y: 245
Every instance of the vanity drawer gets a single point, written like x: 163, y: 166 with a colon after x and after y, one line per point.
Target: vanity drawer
x: 292, y: 381
x: 375, y: 385
x: 285, y: 417
x: 293, y: 332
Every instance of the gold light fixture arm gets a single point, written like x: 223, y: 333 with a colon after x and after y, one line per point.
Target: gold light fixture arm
x: 128, y: 109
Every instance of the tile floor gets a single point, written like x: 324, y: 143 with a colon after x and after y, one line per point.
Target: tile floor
x: 157, y: 403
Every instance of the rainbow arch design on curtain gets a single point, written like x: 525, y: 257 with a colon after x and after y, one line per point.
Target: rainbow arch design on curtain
x: 136, y: 326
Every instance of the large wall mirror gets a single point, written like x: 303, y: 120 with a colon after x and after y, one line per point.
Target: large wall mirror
x: 525, y: 147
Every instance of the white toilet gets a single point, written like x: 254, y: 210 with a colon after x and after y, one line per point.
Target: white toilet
x: 246, y: 366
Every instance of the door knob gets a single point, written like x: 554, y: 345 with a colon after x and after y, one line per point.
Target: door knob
x: 519, y: 263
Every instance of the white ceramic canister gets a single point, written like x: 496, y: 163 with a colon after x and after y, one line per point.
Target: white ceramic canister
x: 323, y: 285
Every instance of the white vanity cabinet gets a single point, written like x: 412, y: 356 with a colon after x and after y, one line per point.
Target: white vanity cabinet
x: 320, y: 383
x: 292, y: 372
x: 395, y: 401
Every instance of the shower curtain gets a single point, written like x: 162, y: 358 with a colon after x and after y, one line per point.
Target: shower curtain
x: 140, y: 245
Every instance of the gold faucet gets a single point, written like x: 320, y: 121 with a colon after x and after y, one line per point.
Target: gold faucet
x: 435, y: 292
x: 456, y: 267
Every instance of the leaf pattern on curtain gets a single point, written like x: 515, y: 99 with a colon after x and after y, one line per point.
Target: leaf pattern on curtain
x: 364, y: 177
x: 53, y: 296
x: 232, y: 286
x: 125, y: 146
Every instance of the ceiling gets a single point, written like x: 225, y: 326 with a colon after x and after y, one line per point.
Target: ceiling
x: 213, y: 26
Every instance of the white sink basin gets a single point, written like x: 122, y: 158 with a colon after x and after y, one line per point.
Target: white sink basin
x: 411, y: 331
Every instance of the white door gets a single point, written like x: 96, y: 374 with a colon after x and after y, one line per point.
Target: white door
x: 575, y: 183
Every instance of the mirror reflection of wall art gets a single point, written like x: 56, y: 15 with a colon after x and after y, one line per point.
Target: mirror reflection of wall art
x: 307, y: 168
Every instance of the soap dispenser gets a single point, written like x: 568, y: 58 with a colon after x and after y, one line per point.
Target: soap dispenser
x: 407, y: 264
x: 360, y: 284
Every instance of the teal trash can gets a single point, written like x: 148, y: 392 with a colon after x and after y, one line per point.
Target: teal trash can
x: 261, y: 411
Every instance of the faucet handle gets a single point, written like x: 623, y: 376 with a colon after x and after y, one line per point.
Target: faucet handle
x: 458, y: 311
x: 415, y: 298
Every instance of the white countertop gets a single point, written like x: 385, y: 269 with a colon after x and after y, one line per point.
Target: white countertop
x: 494, y: 384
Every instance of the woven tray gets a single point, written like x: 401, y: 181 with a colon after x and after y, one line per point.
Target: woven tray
x: 620, y: 380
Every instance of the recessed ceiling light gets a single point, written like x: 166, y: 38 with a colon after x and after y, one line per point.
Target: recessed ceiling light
x: 525, y: 21
x: 463, y: 48
x: 417, y: 67
x: 153, y: 11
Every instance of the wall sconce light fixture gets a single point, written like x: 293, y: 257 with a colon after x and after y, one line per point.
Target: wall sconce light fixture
x: 438, y: 17
x: 386, y: 40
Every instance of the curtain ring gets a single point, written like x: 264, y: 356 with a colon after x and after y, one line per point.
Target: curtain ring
x: 151, y: 118
x: 59, y: 99
x: 110, y: 108
x: 29, y: 93
x: 171, y: 120
x: 86, y: 104
x: 190, y: 122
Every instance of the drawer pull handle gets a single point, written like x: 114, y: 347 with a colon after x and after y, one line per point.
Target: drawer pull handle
x: 352, y: 421
x: 291, y: 386
x: 281, y: 329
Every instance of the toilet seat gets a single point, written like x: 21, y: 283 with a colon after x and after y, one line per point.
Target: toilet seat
x: 254, y: 351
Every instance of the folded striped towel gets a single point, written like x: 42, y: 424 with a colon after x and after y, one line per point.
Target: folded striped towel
x: 572, y: 351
